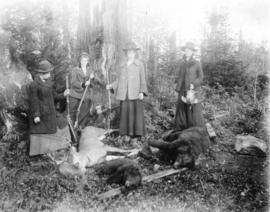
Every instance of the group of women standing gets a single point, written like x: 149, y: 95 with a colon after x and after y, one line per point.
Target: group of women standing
x: 130, y: 89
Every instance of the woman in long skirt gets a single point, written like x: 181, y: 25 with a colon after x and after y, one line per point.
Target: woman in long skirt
x: 190, y: 77
x: 47, y: 132
x: 130, y: 89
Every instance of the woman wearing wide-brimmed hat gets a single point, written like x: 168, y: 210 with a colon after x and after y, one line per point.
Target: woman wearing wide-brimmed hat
x: 190, y: 78
x: 80, y: 77
x: 44, y: 120
x: 130, y: 88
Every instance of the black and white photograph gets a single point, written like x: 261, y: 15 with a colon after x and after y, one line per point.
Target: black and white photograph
x: 134, y: 105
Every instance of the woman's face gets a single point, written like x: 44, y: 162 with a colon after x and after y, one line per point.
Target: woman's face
x: 131, y: 54
x: 188, y: 52
x: 46, y: 75
x: 84, y: 61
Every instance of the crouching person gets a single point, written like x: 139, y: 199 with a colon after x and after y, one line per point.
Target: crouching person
x: 47, y: 134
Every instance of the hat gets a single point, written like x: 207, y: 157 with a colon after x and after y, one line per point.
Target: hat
x: 44, y: 67
x: 131, y: 46
x: 83, y: 54
x: 189, y: 45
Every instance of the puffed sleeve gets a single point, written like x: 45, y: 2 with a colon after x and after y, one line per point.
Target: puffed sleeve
x: 114, y: 84
x: 33, y: 100
x: 75, y: 83
x: 198, y: 81
x: 143, y: 87
x: 180, y: 78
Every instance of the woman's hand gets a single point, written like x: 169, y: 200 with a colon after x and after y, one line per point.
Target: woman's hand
x: 87, y: 83
x: 92, y: 76
x: 141, y: 95
x: 36, y: 120
x: 108, y: 87
x: 67, y: 92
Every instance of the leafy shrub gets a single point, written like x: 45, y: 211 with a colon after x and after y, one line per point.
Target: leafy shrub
x: 236, y: 112
x: 250, y: 121
x: 227, y: 73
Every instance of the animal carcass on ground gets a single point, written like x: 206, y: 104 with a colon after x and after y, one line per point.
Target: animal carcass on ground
x: 121, y: 171
x: 182, y: 147
x: 92, y: 149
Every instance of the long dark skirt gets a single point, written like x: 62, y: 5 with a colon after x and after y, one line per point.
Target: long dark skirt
x: 84, y: 111
x: 188, y: 115
x: 132, y: 118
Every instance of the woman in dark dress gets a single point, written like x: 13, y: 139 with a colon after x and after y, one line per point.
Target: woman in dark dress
x: 130, y: 89
x: 80, y: 78
x: 42, y: 109
x: 190, y: 77
x: 47, y: 132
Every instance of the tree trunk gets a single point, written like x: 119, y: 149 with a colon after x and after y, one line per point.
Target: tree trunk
x: 115, y: 32
x: 255, y: 88
x: 103, y: 37
x: 84, y: 26
x: 66, y: 34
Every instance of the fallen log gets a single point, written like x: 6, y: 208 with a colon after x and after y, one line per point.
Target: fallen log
x: 247, y: 144
x: 146, y: 179
x: 210, y: 130
x: 110, y: 193
x: 162, y: 174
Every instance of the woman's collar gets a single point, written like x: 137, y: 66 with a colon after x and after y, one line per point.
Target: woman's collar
x: 47, y: 83
x: 135, y: 62
x: 190, y: 59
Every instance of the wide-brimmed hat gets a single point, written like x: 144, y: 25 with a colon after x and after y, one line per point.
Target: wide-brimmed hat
x: 131, y: 46
x: 44, y: 66
x: 189, y: 45
x: 83, y: 54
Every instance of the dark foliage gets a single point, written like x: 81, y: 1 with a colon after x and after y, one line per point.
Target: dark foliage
x: 227, y: 73
x: 251, y: 121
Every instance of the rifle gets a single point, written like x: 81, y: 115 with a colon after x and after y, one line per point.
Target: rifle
x: 69, y: 119
x: 80, y: 105
x: 105, y: 69
x: 109, y: 102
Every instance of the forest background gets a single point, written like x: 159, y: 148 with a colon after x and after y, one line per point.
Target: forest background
x: 236, y: 69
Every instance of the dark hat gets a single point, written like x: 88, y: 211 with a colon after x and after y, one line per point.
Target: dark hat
x: 44, y: 67
x: 83, y: 54
x: 189, y: 45
x: 131, y: 46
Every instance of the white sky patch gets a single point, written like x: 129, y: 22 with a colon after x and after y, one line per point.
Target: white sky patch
x: 188, y: 17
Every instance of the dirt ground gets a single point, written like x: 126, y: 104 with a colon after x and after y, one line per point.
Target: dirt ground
x: 223, y: 181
